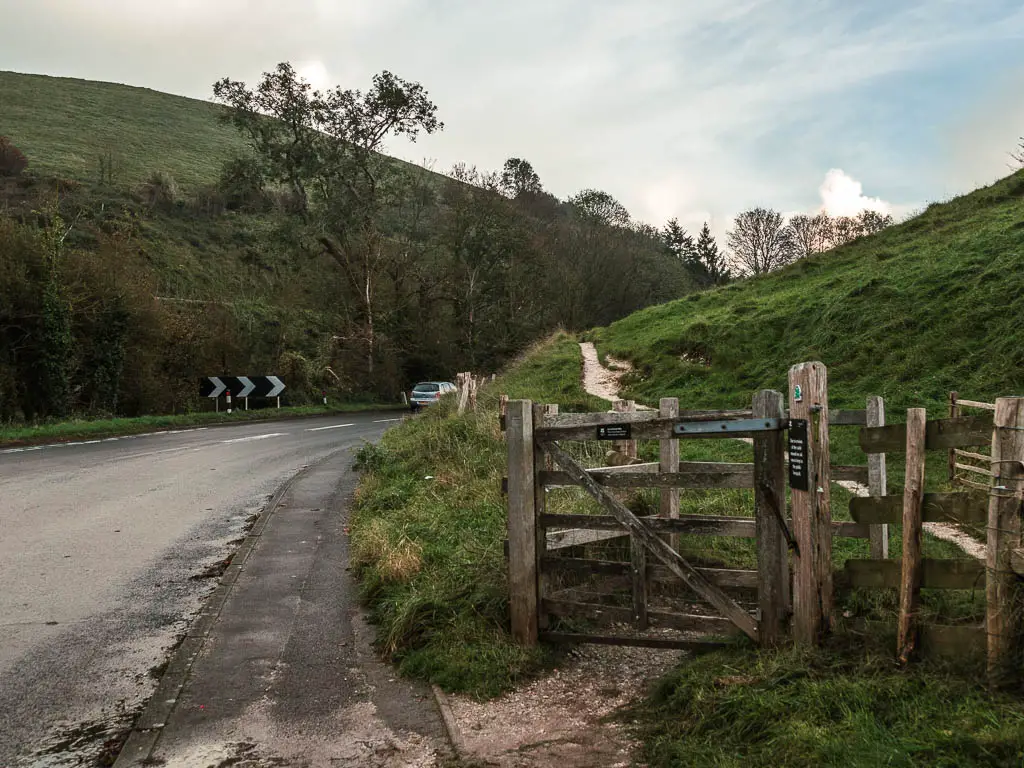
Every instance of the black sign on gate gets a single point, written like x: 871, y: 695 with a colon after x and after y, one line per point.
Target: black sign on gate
x: 798, y: 469
x: 614, y: 432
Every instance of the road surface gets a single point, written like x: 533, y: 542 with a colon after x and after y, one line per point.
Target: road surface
x: 106, y: 550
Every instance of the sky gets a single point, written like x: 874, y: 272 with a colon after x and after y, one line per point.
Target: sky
x: 695, y: 109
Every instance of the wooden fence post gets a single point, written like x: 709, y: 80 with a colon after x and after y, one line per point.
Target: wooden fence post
x: 769, y: 511
x: 913, y: 497
x: 541, y: 461
x: 812, y: 515
x: 627, y: 448
x: 954, y: 411
x: 668, y: 461
x: 522, y: 523
x: 878, y: 535
x: 1003, y: 595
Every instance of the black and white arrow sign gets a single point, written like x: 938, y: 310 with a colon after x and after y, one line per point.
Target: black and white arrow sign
x: 241, y: 386
x: 211, y: 386
x: 276, y: 386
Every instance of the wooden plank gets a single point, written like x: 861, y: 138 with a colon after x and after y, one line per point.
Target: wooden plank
x: 672, y: 559
x: 855, y: 474
x: 566, y: 421
x: 683, y: 644
x: 522, y: 520
x: 913, y: 498
x: 940, y: 434
x: 626, y: 469
x: 935, y: 574
x: 638, y: 576
x: 968, y: 455
x: 975, y: 470
x: 646, y: 425
x: 540, y: 461
x: 668, y: 463
x: 691, y: 525
x: 954, y: 412
x: 1004, y: 604
x: 972, y: 484
x: 879, y: 534
x: 694, y: 480
x: 597, y: 612
x: 579, y: 538
x: 847, y: 530
x: 977, y: 404
x: 812, y: 566
x: 938, y: 508
x: 769, y: 517
x: 847, y: 417
x: 723, y: 577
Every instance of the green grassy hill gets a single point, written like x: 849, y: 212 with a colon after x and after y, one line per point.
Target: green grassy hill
x: 66, y: 125
x: 931, y: 305
x: 207, y: 274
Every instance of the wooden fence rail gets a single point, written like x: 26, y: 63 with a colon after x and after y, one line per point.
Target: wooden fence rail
x: 549, y: 582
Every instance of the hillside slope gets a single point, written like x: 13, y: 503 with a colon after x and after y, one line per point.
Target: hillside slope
x: 922, y: 308
x: 134, y: 264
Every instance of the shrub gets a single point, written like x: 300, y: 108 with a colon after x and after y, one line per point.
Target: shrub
x: 12, y: 161
x: 160, y: 190
x: 241, y: 184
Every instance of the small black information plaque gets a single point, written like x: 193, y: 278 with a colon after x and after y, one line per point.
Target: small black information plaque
x: 798, y: 470
x: 614, y: 432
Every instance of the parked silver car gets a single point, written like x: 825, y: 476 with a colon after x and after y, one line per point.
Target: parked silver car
x: 428, y: 393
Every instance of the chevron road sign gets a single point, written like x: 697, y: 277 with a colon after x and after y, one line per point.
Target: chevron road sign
x: 241, y: 386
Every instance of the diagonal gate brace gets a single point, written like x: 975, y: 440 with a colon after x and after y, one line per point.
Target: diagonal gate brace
x: 653, y: 542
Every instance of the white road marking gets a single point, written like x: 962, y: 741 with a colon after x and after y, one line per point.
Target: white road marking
x: 103, y: 440
x: 335, y: 426
x: 254, y: 437
x: 385, y: 421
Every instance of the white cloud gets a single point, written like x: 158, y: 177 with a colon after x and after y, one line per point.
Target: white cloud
x: 842, y: 195
x: 681, y: 108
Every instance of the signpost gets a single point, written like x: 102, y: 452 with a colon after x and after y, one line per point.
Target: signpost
x: 241, y: 386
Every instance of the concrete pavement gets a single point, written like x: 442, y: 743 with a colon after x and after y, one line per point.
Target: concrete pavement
x: 103, y: 549
x: 285, y: 673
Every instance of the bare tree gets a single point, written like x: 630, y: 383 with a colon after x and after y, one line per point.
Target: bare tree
x: 1018, y: 155
x: 870, y: 222
x: 760, y: 242
x: 844, y: 230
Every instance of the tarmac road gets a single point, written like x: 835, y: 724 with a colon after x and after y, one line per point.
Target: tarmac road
x: 106, y: 551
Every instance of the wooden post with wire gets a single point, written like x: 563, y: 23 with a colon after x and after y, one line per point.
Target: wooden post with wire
x: 1003, y: 592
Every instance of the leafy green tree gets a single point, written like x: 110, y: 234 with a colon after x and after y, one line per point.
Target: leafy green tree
x: 331, y: 141
x: 679, y: 243
x: 518, y: 177
x: 599, y: 206
x: 712, y: 260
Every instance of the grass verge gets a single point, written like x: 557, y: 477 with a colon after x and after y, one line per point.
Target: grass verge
x: 63, y: 431
x: 428, y: 528
x: 840, y: 706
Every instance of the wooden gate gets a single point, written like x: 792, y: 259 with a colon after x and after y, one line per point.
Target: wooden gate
x: 794, y: 575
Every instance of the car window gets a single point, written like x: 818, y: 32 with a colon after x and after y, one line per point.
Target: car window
x: 426, y: 388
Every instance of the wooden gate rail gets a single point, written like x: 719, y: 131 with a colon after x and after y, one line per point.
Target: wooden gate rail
x: 652, y: 543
